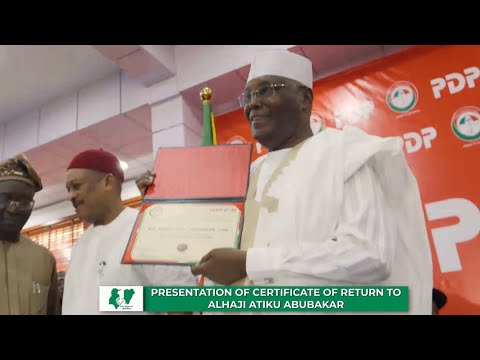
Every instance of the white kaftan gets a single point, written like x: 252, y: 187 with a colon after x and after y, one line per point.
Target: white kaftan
x: 342, y: 208
x: 96, y: 260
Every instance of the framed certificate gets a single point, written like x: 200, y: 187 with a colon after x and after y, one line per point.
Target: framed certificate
x: 182, y: 233
x: 195, y: 205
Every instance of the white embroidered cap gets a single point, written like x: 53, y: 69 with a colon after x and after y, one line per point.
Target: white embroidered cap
x: 282, y: 63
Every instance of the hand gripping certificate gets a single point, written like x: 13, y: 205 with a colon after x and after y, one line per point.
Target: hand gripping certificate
x: 195, y: 205
x: 184, y: 233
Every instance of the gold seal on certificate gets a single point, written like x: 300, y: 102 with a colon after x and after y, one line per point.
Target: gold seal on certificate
x: 182, y: 233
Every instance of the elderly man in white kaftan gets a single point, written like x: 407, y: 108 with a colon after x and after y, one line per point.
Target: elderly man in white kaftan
x: 338, y: 208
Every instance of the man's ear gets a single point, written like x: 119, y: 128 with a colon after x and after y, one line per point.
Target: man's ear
x: 109, y: 181
x: 307, y: 99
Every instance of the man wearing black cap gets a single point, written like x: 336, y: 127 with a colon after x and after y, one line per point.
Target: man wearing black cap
x: 439, y: 300
x: 28, y: 278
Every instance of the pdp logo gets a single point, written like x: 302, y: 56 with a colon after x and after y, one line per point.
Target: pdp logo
x: 121, y: 298
x: 236, y: 139
x: 466, y: 123
x: 317, y: 123
x: 402, y: 96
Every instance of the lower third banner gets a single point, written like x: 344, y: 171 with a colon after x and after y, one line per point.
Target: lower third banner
x: 255, y: 299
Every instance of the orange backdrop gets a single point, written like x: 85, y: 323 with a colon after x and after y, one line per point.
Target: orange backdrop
x: 429, y: 96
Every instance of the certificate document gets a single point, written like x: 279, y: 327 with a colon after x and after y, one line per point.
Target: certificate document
x: 195, y: 204
x: 183, y: 233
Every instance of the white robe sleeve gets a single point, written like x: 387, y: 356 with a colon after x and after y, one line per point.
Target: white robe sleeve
x: 360, y: 251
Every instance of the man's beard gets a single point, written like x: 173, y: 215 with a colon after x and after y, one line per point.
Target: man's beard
x: 9, y: 236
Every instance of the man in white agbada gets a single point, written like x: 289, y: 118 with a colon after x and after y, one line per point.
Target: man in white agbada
x: 335, y: 209
x: 94, y: 179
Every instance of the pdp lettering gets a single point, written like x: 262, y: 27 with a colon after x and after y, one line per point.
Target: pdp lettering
x: 415, y: 141
x: 446, y: 238
x: 353, y: 113
x: 455, y: 81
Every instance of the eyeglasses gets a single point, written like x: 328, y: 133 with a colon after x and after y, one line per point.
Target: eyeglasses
x: 263, y: 91
x: 15, y: 206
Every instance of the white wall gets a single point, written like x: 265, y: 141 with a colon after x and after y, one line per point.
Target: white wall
x: 174, y: 122
x: 62, y: 116
x: 21, y: 133
x: 92, y: 104
x: 199, y: 63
